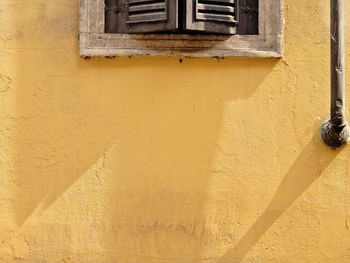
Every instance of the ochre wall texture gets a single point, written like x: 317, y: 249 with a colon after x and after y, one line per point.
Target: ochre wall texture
x: 147, y: 160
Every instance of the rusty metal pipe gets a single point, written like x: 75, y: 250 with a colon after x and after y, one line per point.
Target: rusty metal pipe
x: 335, y: 131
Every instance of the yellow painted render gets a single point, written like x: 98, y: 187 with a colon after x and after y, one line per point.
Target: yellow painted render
x: 147, y: 160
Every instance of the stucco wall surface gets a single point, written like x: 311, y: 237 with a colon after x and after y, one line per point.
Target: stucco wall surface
x: 145, y: 160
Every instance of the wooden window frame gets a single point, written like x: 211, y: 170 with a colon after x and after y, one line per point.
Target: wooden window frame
x: 95, y: 42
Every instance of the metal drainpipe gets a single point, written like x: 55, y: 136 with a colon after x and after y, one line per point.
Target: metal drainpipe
x: 335, y: 132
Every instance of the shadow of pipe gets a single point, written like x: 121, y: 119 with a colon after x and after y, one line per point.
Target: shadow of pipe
x: 298, y: 179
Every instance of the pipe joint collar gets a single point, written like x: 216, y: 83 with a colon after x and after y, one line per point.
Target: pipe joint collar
x: 333, y: 135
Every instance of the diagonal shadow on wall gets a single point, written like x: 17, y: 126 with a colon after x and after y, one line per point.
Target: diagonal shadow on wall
x: 162, y: 116
x: 298, y: 179
x: 70, y: 110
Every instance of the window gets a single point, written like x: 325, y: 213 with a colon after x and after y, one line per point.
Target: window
x: 172, y: 16
x: 181, y: 16
x: 198, y: 28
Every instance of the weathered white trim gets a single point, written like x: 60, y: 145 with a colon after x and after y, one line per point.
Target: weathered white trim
x: 94, y: 42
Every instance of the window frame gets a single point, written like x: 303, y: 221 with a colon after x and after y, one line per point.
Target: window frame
x: 95, y: 42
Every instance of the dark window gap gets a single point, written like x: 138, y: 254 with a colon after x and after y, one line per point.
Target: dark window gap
x: 248, y: 17
x: 181, y: 16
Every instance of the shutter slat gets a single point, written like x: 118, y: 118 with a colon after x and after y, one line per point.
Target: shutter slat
x: 220, y: 1
x: 141, y: 1
x: 206, y: 11
x: 216, y: 8
x: 143, y: 11
x: 214, y: 17
x: 151, y: 17
x: 140, y: 8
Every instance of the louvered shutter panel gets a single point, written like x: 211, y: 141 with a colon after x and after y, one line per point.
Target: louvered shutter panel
x: 147, y: 16
x: 212, y: 16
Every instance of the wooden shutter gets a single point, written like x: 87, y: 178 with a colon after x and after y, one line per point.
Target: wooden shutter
x: 212, y: 16
x: 147, y: 16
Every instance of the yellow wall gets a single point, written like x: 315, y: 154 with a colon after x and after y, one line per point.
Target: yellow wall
x: 152, y: 160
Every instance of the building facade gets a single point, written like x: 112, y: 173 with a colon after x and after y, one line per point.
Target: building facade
x: 167, y: 159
